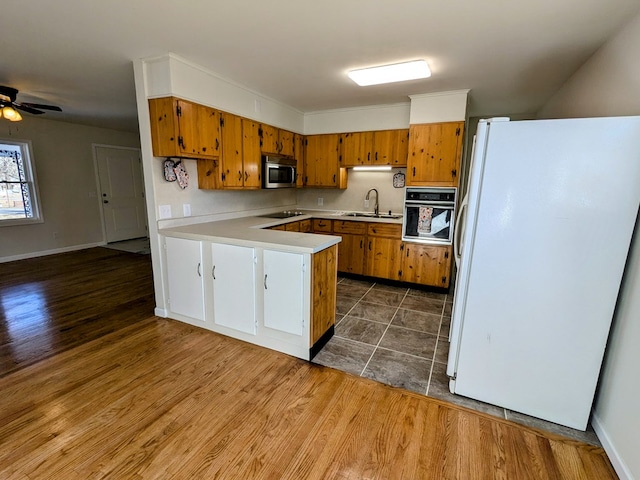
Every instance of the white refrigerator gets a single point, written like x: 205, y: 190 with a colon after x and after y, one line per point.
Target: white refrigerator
x: 541, y: 245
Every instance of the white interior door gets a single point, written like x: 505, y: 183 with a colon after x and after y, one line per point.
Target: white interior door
x: 122, y: 193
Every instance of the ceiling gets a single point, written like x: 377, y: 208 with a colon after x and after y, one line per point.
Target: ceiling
x: 513, y: 55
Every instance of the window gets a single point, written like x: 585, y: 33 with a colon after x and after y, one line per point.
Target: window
x: 18, y: 190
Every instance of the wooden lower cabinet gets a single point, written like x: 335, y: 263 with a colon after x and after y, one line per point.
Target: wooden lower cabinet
x: 351, y: 251
x: 383, y: 258
x: 426, y: 264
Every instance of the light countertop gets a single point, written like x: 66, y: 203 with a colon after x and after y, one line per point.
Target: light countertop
x: 254, y: 232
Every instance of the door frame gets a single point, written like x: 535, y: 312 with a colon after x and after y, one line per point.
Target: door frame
x: 94, y: 150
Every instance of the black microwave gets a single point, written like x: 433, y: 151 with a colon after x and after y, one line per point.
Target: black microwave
x: 278, y: 172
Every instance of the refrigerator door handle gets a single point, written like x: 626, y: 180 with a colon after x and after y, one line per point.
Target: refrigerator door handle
x: 459, y: 230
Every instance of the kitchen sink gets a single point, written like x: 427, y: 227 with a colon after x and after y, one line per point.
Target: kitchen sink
x: 371, y: 215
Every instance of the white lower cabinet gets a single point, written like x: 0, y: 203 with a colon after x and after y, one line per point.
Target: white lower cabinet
x: 234, y: 287
x: 283, y: 287
x: 184, y: 277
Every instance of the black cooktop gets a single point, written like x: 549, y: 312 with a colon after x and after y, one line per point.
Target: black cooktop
x: 285, y: 214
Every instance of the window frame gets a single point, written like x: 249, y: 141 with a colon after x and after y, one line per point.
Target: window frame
x: 31, y: 181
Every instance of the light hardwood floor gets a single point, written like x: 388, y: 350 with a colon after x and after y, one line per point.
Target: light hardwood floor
x: 94, y: 386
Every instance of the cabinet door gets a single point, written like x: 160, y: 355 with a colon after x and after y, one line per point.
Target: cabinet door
x: 434, y: 154
x: 269, y: 136
x: 298, y: 154
x: 383, y: 258
x: 164, y: 134
x: 390, y: 147
x: 322, y: 167
x: 234, y: 287
x: 306, y: 226
x: 351, y: 253
x: 199, y: 130
x: 426, y: 264
x: 285, y: 143
x: 184, y: 277
x: 283, y: 287
x: 231, y: 160
x: 251, y: 156
x: 292, y: 227
x: 356, y: 148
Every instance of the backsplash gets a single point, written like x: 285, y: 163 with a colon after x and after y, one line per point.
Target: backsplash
x: 353, y: 197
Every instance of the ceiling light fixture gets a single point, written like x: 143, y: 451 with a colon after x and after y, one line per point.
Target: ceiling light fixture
x: 11, y: 114
x: 398, y: 72
x: 373, y: 168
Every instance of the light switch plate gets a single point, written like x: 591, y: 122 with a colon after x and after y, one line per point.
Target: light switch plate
x: 186, y: 209
x: 320, y: 201
x: 164, y: 211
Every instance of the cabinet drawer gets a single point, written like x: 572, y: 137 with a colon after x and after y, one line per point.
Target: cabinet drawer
x: 292, y: 227
x: 321, y: 225
x: 391, y: 230
x: 347, y: 226
x: 305, y: 226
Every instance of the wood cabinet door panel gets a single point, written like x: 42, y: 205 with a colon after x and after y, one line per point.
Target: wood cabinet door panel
x: 355, y: 148
x: 321, y: 225
x: 306, y: 226
x: 383, y: 258
x: 199, y: 130
x: 322, y: 166
x: 251, y: 155
x: 434, y: 153
x: 426, y: 264
x: 285, y: 143
x: 298, y: 154
x: 269, y: 136
x: 392, y: 230
x: 390, y: 147
x: 349, y: 226
x: 231, y: 159
x: 351, y: 253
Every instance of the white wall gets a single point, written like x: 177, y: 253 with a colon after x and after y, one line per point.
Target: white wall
x: 608, y: 85
x: 63, y: 157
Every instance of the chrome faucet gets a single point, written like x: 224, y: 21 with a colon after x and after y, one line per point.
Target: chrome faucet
x: 377, y: 204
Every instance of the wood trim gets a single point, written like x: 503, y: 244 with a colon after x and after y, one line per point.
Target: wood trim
x: 324, y: 273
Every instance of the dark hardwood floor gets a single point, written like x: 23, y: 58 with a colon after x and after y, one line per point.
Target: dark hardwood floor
x: 92, y: 385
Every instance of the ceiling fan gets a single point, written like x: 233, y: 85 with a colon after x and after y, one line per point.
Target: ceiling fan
x: 9, y: 106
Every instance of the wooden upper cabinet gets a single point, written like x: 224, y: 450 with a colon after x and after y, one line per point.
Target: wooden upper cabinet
x: 269, y: 139
x: 232, y: 170
x: 298, y: 154
x: 251, y: 155
x: 356, y: 148
x: 277, y: 141
x: 390, y: 147
x: 322, y: 163
x: 184, y: 129
x: 434, y: 154
x: 286, y: 143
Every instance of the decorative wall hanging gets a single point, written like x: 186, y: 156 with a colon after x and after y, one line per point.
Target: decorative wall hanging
x: 398, y: 180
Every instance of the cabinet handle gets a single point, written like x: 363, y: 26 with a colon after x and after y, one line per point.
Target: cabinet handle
x: 213, y: 272
x: 217, y: 144
x: 199, y: 273
x: 368, y: 156
x: 361, y: 243
x: 246, y: 176
x: 334, y: 178
x: 376, y: 156
x: 414, y: 171
x: 265, y: 281
x: 369, y: 245
x: 239, y: 176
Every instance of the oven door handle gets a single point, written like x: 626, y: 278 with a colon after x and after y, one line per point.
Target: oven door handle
x: 459, y: 230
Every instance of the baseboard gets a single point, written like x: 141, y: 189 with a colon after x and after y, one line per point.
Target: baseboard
x: 44, y: 253
x: 160, y: 312
x: 616, y: 460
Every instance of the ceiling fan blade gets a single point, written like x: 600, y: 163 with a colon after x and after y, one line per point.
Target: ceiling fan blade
x: 24, y: 108
x: 41, y: 106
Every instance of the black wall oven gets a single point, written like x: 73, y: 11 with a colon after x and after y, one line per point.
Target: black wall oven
x: 429, y: 215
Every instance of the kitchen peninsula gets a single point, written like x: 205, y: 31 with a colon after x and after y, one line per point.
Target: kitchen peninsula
x: 238, y: 278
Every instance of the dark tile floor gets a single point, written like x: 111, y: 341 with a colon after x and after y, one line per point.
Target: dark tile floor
x: 400, y: 336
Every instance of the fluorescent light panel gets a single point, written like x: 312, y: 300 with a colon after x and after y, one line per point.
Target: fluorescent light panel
x: 373, y: 168
x: 398, y: 72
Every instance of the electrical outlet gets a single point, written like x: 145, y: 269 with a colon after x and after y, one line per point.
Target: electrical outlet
x: 366, y: 204
x: 55, y: 235
x: 320, y: 201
